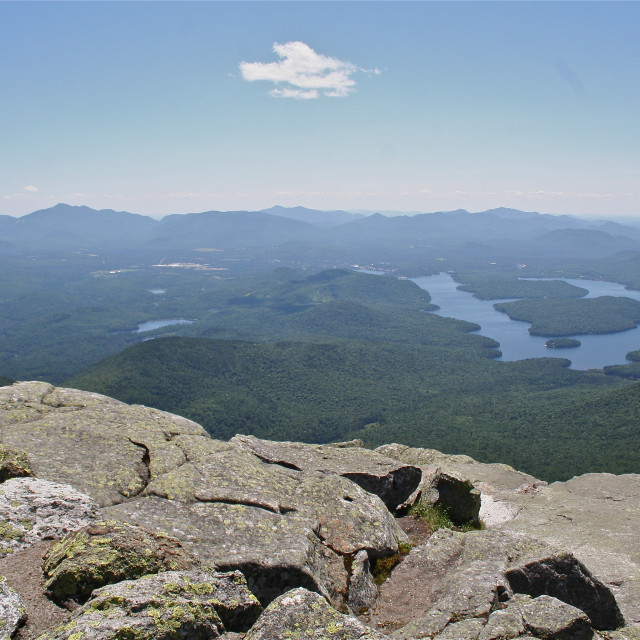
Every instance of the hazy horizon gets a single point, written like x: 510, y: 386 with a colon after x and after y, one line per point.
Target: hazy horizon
x: 170, y: 107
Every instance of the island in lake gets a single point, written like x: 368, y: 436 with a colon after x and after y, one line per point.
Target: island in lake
x: 561, y: 343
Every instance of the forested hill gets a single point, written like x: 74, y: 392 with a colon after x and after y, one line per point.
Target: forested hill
x: 538, y: 415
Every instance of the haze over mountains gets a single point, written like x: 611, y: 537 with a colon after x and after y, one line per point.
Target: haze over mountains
x: 502, y: 231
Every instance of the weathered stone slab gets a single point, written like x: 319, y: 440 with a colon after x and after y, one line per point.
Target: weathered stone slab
x: 193, y: 604
x: 393, y: 482
x: 597, y: 518
x: 99, y: 445
x: 275, y: 552
x: 105, y: 553
x: 32, y: 509
x: 154, y: 464
x: 12, y: 611
x: 458, y: 576
x: 303, y: 614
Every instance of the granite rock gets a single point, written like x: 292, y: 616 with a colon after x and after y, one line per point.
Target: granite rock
x: 194, y: 604
x: 105, y: 553
x: 303, y: 614
x: 32, y: 509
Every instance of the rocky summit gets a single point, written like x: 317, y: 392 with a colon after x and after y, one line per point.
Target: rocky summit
x: 129, y: 523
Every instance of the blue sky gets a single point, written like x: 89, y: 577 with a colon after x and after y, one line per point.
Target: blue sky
x: 406, y: 106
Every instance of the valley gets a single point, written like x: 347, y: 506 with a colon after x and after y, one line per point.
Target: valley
x: 273, y: 333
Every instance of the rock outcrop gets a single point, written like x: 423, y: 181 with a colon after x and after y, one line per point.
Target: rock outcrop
x: 465, y: 576
x: 595, y: 516
x: 160, y: 531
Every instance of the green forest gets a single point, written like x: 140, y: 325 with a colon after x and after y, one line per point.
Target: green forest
x: 574, y: 316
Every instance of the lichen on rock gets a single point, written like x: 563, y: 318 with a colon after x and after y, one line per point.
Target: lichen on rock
x: 194, y: 604
x: 308, y: 616
x: 14, y: 463
x: 105, y: 553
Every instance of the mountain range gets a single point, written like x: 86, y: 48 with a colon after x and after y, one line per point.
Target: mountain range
x: 500, y: 231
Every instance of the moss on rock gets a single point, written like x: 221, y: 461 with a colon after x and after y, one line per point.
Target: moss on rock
x: 106, y: 553
x: 14, y: 463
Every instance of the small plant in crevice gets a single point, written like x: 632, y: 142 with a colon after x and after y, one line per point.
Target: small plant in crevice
x: 437, y: 517
x: 381, y: 568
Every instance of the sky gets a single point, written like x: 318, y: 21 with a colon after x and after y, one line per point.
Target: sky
x: 175, y: 107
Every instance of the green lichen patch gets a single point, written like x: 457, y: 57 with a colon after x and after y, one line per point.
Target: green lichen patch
x: 9, y: 532
x: 14, y: 463
x: 107, y: 553
x: 196, y: 604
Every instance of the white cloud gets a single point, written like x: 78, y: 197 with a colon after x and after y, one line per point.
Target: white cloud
x: 298, y: 94
x: 30, y: 188
x: 304, y: 73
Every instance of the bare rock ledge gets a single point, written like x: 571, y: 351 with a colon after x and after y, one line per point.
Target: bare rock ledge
x: 160, y: 531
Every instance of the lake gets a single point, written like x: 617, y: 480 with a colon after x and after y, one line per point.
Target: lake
x: 158, y: 324
x: 595, y: 352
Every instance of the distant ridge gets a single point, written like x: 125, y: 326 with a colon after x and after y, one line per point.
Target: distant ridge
x: 313, y: 216
x: 296, y: 233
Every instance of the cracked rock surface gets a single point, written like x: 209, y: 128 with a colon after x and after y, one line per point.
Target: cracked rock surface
x: 284, y: 527
x: 98, y: 445
x: 294, y: 528
x: 389, y: 479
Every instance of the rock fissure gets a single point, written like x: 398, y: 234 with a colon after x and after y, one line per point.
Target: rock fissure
x: 145, y: 475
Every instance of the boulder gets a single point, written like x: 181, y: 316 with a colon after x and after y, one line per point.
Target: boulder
x: 459, y: 576
x: 105, y: 553
x: 32, y: 509
x: 393, y: 482
x: 546, y: 617
x: 192, y: 604
x: 456, y: 495
x: 303, y: 614
x: 543, y: 617
x: 12, y: 611
x: 496, y: 482
x: 13, y: 463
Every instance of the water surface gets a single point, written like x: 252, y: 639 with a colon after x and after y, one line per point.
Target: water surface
x: 158, y: 324
x: 595, y: 352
